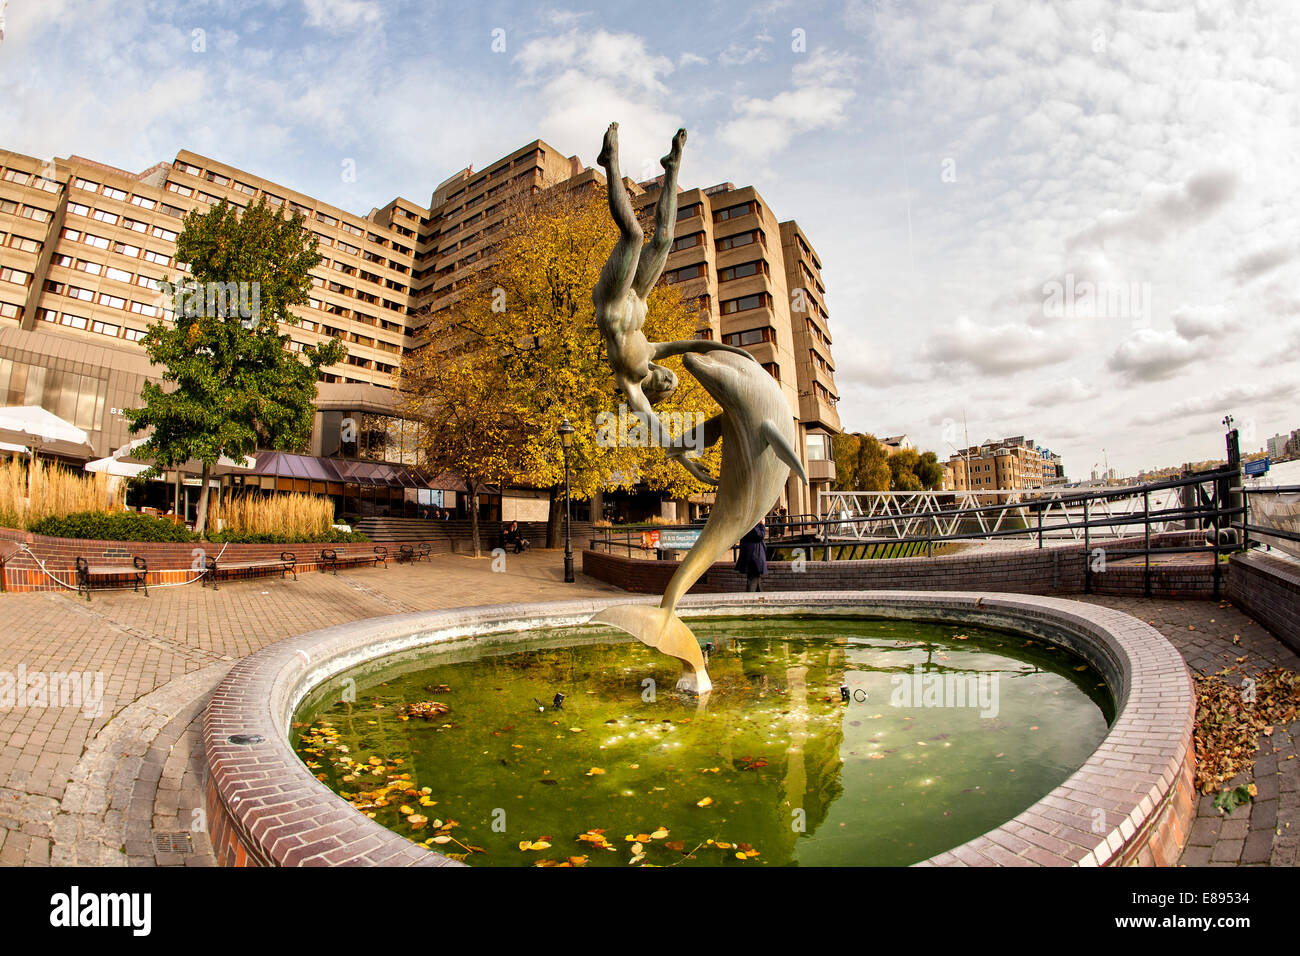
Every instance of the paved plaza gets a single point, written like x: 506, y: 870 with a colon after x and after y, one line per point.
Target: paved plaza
x: 124, y: 786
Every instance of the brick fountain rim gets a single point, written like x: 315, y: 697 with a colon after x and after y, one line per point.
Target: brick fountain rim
x: 1129, y: 802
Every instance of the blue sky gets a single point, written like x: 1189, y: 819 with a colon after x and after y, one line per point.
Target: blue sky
x: 969, y: 172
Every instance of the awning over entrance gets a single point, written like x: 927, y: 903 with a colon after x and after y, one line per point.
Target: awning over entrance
x: 354, y: 471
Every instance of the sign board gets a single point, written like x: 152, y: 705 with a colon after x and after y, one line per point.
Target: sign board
x: 678, y: 539
x: 521, y: 508
x: 1257, y: 467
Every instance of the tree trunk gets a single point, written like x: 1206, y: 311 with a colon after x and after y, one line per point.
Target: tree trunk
x: 471, y: 495
x: 201, y: 521
x: 555, y: 520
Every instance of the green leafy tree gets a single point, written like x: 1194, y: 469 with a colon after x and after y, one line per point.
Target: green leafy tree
x: 861, y: 463
x: 902, y: 471
x: 929, y: 471
x: 231, y: 384
x: 531, y: 356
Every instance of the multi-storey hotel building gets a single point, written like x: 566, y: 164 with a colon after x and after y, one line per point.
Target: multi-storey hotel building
x: 84, y: 245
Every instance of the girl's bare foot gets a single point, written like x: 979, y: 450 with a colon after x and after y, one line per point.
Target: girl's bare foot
x: 674, y: 157
x: 609, y: 150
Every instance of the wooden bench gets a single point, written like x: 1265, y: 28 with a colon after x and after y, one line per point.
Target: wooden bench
x: 137, y: 571
x: 409, y: 553
x: 285, y: 563
x: 331, y: 558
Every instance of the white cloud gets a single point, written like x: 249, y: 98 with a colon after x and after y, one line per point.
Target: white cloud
x: 340, y: 16
x: 996, y: 349
x: 1150, y: 355
x: 821, y: 92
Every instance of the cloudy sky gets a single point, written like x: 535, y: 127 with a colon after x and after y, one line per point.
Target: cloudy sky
x: 1073, y: 220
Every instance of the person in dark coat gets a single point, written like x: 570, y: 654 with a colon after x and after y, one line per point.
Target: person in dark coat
x: 751, y: 558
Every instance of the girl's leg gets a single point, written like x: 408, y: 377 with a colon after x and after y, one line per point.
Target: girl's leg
x: 655, y: 253
x: 616, y: 277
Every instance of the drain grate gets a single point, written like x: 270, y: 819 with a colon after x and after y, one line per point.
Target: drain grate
x: 172, y: 843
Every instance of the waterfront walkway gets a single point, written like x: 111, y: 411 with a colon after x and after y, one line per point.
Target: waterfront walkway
x: 124, y: 786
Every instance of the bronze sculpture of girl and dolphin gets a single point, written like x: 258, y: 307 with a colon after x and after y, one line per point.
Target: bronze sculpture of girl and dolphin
x: 755, y: 424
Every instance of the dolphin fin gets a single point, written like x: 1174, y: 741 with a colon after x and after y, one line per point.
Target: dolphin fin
x: 662, y: 629
x: 783, y: 450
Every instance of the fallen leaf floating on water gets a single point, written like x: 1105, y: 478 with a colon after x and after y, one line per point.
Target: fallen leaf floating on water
x: 594, y: 772
x: 705, y: 802
x: 424, y: 709
x: 539, y: 844
x: 596, y: 838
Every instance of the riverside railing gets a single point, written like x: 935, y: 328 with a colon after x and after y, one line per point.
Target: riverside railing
x: 1202, y: 502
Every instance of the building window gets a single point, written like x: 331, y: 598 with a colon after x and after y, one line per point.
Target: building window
x: 688, y: 242
x: 758, y: 300
x: 686, y: 212
x: 819, y: 448
x: 741, y: 239
x: 734, y: 212
x: 751, y: 336
x: 685, y: 273
x: 744, y: 270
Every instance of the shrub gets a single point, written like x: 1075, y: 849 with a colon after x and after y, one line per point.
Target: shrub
x: 279, y: 517
x: 55, y: 490
x: 118, y: 526
x: 227, y: 536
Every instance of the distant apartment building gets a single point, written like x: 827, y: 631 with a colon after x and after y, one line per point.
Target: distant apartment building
x: 84, y: 245
x: 1283, y: 446
x: 1008, y: 464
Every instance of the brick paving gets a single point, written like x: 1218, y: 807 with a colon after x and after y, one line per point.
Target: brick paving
x: 1267, y: 831
x: 124, y: 786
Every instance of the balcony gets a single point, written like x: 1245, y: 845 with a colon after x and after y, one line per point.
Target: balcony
x: 821, y: 469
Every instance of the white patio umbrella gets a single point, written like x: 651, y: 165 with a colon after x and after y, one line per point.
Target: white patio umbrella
x: 224, y: 466
x: 118, y: 467
x: 37, y: 428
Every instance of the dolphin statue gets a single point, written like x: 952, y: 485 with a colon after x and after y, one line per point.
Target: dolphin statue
x: 758, y: 453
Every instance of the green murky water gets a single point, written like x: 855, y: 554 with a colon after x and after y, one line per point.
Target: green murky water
x: 947, y: 733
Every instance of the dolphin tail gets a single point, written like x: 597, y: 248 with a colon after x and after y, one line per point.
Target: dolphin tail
x: 662, y: 629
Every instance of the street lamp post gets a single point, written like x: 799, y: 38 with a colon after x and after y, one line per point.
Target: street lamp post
x: 566, y: 439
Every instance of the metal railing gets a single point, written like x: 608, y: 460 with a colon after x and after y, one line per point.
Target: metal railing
x: 1208, y: 502
x: 1264, y: 504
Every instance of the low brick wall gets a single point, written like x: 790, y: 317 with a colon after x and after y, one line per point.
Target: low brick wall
x: 1130, y: 802
x: 1052, y: 570
x: 1268, y: 589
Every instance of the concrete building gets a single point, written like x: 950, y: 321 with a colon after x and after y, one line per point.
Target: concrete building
x: 1283, y: 446
x: 83, y: 246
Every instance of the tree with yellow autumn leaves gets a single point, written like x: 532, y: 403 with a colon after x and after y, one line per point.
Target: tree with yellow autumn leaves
x: 519, y: 351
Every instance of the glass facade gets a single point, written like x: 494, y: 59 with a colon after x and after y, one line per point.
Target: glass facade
x: 370, y: 437
x: 75, y: 398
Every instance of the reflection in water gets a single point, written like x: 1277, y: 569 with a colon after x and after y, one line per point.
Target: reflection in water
x: 774, y: 768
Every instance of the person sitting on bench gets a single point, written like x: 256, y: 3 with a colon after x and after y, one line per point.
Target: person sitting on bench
x: 513, y: 537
